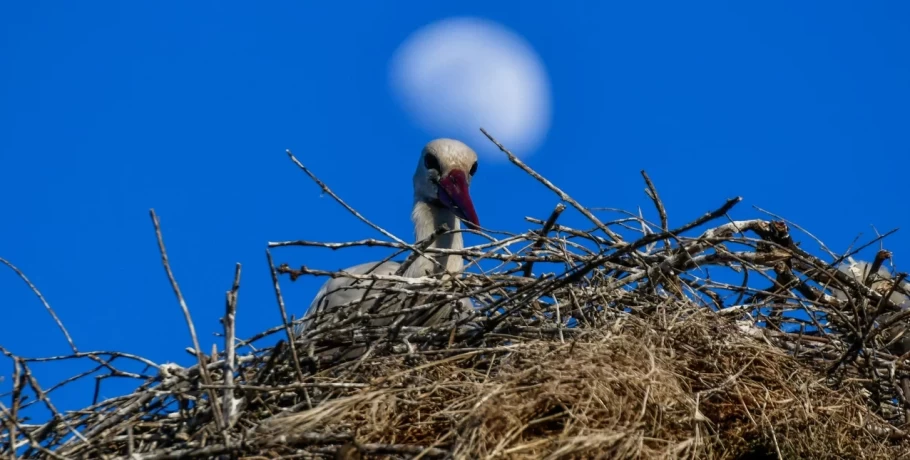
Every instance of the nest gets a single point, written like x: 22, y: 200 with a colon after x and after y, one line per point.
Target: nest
x: 632, y: 341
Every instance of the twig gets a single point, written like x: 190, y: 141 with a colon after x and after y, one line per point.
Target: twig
x: 44, y: 302
x: 652, y: 193
x: 547, y: 226
x: 31, y: 440
x: 325, y: 189
x: 562, y: 195
x: 284, y: 316
x: 229, y: 335
x: 186, y: 314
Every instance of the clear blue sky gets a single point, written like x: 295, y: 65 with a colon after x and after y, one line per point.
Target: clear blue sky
x: 108, y: 109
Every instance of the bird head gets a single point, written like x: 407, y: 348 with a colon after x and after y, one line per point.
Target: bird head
x: 443, y: 177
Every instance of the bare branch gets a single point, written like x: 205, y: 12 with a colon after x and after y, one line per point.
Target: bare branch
x: 44, y: 302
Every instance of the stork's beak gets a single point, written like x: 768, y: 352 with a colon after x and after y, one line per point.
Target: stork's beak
x: 453, y: 193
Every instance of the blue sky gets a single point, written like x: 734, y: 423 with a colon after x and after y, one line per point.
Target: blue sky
x: 108, y: 109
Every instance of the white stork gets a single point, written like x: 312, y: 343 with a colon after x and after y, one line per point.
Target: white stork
x: 441, y: 196
x: 859, y: 270
x: 882, y: 283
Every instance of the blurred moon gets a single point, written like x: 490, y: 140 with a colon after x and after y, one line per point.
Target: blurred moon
x: 457, y: 75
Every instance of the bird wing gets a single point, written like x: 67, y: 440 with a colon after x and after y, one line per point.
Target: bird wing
x: 337, y: 298
x: 339, y: 291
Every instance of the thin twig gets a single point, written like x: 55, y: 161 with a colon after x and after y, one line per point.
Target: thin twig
x: 325, y: 189
x: 44, y: 302
x: 547, y: 227
x: 659, y: 204
x: 186, y: 313
x: 562, y: 195
x: 284, y: 316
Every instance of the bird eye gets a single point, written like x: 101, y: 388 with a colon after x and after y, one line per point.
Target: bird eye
x: 431, y: 162
x: 474, y: 169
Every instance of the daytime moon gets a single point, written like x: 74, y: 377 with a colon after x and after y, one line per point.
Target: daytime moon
x: 457, y: 75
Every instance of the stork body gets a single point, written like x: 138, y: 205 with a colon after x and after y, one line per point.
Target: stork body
x: 859, y: 270
x: 882, y: 283
x: 441, y: 197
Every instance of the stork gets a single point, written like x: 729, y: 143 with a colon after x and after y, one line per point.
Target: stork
x: 883, y: 283
x: 441, y: 197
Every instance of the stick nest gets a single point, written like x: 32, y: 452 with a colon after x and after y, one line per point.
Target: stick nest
x: 619, y: 346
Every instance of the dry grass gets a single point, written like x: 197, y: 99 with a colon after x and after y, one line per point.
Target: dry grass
x: 693, y: 388
x: 662, y: 361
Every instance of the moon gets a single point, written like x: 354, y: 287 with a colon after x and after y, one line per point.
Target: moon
x: 456, y: 75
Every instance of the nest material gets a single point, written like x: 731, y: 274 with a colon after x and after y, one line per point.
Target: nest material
x: 628, y: 348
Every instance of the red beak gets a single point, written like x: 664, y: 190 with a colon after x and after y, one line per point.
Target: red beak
x: 453, y: 193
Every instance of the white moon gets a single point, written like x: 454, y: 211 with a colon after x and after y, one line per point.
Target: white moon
x: 457, y: 75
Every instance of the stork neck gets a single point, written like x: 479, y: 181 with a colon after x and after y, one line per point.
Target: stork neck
x: 427, y: 218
